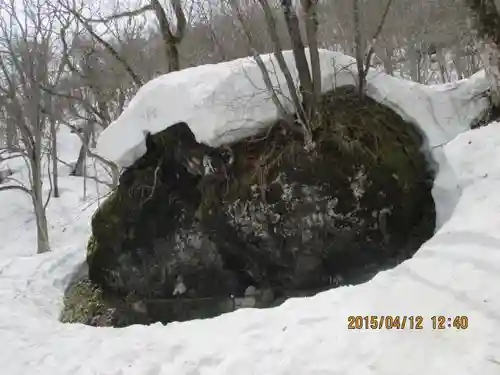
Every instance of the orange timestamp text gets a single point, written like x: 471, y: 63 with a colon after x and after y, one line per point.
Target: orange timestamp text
x: 410, y: 322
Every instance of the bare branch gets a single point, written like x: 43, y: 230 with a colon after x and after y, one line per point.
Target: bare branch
x: 278, y: 54
x: 265, y: 74
x: 375, y: 37
x: 17, y: 187
x: 136, y: 78
x: 126, y: 14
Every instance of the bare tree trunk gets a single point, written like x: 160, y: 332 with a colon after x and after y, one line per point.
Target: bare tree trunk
x: 43, y: 244
x: 38, y: 204
x: 55, y: 174
x: 443, y: 71
x: 93, y: 138
x: 311, y: 21
x: 458, y: 62
x: 387, y: 61
x: 473, y: 64
x: 79, y: 168
x: 42, y: 230
x: 361, y: 50
x: 486, y: 21
x: 10, y: 130
x: 412, y: 58
x: 490, y: 56
x: 278, y: 54
x: 25, y: 64
x: 170, y: 39
x: 85, y: 151
x: 282, y: 112
x: 306, y: 85
x: 359, y: 46
x: 174, y: 60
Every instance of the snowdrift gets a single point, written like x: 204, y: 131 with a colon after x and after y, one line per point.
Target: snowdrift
x: 456, y: 273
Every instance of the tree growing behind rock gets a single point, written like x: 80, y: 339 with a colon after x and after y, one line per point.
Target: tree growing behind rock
x: 305, y: 93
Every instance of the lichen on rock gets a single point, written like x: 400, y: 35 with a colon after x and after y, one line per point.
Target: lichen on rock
x: 190, y: 222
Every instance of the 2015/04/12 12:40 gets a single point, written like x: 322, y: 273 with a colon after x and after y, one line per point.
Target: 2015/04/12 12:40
x: 406, y: 322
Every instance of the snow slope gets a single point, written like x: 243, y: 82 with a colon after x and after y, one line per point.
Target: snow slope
x: 17, y: 223
x: 457, y: 272
x: 218, y: 101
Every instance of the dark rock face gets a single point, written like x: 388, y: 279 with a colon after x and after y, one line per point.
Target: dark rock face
x: 147, y: 226
x: 192, y: 222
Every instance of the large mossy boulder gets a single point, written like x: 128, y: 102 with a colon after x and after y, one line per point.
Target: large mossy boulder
x: 190, y: 222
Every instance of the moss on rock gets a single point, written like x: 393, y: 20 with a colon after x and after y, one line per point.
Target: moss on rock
x: 84, y: 302
x: 199, y: 222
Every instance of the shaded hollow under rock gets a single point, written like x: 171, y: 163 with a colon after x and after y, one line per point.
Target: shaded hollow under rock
x: 191, y: 225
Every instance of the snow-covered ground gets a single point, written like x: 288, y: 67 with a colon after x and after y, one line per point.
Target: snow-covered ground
x: 456, y: 273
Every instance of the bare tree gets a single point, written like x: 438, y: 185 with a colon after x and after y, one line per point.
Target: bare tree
x: 215, y: 34
x: 358, y: 44
x: 171, y: 36
x: 311, y: 20
x: 25, y: 67
x: 486, y: 21
x: 93, y: 92
x: 410, y: 30
x: 50, y: 108
x: 53, y: 119
x: 77, y: 10
x: 98, y: 86
x: 278, y: 54
x: 306, y: 84
x: 305, y: 98
x: 262, y: 66
x: 364, y: 50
